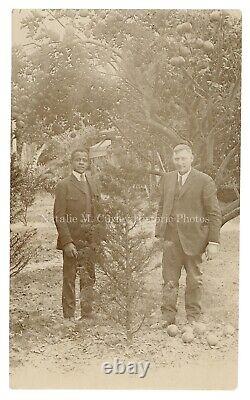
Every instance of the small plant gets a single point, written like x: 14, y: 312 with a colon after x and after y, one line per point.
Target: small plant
x: 128, y: 250
x: 22, y: 250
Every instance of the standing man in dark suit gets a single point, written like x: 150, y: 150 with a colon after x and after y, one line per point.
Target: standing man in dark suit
x: 74, y: 210
x: 188, y: 224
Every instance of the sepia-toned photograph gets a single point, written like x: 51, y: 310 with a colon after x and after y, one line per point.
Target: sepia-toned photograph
x: 125, y: 198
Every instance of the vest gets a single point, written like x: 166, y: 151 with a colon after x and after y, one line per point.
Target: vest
x: 171, y: 229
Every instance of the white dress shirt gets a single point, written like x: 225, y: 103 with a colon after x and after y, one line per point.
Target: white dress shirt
x: 183, y: 178
x: 80, y: 177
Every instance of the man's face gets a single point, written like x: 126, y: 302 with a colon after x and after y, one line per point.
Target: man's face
x: 80, y: 162
x: 182, y: 160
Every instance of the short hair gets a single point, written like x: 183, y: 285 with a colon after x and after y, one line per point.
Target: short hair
x: 182, y: 146
x: 72, y: 156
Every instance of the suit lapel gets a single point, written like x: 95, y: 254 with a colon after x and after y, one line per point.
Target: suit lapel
x: 77, y: 184
x: 170, y: 187
x: 187, y: 183
x: 81, y: 186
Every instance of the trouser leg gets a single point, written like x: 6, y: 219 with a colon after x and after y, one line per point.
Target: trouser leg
x: 172, y: 262
x: 193, y: 292
x: 68, y: 289
x: 87, y: 281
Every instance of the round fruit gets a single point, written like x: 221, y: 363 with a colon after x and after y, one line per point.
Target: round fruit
x: 102, y: 14
x: 172, y: 330
x: 83, y: 13
x: 212, y: 339
x: 208, y: 46
x: 186, y: 27
x: 184, y: 51
x: 187, y: 337
x: 177, y: 61
x: 179, y: 28
x: 199, y: 328
x: 215, y: 16
x: 198, y: 43
x: 229, y: 330
x: 187, y: 328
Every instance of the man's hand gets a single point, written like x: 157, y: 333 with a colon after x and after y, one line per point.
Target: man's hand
x: 160, y: 241
x: 211, y: 250
x: 70, y: 250
x: 163, y: 244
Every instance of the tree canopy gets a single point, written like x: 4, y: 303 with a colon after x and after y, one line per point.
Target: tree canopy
x: 159, y: 77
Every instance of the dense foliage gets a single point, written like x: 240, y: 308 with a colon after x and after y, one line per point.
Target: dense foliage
x: 158, y: 77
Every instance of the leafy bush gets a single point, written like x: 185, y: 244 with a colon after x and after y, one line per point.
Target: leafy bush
x: 22, y: 250
x: 26, y: 182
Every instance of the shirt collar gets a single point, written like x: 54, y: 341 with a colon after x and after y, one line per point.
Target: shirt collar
x: 184, y: 176
x: 78, y: 176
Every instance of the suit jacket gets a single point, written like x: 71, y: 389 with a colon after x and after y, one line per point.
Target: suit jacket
x: 198, y: 211
x: 72, y: 201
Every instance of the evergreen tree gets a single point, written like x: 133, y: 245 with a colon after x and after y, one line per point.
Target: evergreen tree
x: 127, y: 248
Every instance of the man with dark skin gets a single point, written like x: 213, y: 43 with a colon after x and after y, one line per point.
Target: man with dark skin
x: 74, y: 205
x: 188, y: 225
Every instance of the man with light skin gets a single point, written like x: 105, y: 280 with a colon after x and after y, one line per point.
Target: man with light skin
x: 188, y: 225
x: 74, y: 205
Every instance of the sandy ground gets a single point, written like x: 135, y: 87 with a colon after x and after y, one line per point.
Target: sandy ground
x: 45, y: 354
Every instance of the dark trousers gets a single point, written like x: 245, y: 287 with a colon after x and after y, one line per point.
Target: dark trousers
x: 173, y: 260
x: 87, y: 279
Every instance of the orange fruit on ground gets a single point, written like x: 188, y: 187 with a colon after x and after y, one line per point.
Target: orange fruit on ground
x: 187, y: 328
x: 172, y: 330
x: 187, y: 337
x: 212, y: 339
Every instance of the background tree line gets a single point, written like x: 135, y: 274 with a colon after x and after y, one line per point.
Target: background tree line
x: 156, y: 77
